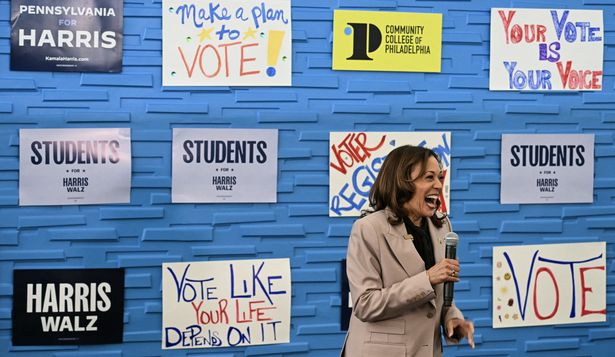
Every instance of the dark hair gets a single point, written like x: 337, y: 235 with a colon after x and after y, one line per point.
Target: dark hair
x: 393, y: 188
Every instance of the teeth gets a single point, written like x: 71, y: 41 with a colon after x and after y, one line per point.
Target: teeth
x: 432, y: 197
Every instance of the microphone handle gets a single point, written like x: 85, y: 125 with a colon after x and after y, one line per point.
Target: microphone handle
x: 450, y: 253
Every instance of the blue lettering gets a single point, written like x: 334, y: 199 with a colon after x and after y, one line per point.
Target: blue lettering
x: 529, y: 280
x: 559, y: 24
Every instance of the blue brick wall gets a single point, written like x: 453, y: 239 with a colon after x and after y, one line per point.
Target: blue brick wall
x: 150, y: 230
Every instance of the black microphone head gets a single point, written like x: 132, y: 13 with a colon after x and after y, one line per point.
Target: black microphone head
x: 451, y: 239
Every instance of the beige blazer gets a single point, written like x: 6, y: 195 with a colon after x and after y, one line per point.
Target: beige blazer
x: 396, y: 311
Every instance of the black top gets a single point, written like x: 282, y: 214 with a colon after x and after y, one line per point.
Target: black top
x: 422, y: 241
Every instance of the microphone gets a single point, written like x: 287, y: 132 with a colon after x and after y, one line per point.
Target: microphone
x: 451, y: 239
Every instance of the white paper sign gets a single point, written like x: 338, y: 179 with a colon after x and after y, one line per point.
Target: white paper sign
x: 549, y: 284
x: 226, y: 43
x: 225, y: 303
x: 547, y: 168
x: 225, y: 165
x: 546, y: 49
x: 74, y: 166
x: 355, y: 159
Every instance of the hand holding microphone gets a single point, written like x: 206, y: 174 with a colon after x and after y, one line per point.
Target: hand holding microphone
x: 447, y: 270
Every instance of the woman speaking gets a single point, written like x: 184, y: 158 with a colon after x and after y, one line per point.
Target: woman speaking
x: 396, y: 266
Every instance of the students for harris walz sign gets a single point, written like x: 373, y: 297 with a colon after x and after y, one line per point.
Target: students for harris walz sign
x: 68, y: 306
x: 546, y: 49
x: 225, y: 303
x: 67, y: 35
x: 355, y: 159
x: 74, y: 166
x: 549, y: 284
x: 386, y: 41
x: 226, y: 43
x: 547, y: 168
x: 224, y: 165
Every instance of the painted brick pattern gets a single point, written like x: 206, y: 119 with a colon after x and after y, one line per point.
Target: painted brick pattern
x: 140, y: 236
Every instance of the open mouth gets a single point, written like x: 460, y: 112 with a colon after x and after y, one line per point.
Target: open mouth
x: 433, y: 201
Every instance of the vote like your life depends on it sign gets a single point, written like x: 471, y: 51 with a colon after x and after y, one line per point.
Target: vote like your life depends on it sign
x: 225, y: 303
x: 546, y: 49
x: 229, y: 43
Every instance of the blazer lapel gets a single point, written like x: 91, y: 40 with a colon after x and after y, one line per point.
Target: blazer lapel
x: 437, y: 239
x: 405, y: 252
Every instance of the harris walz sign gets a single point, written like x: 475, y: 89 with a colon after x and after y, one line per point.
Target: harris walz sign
x: 67, y: 35
x: 68, y: 306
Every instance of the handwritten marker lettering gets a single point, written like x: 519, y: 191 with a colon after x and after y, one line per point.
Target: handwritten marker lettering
x: 234, y: 303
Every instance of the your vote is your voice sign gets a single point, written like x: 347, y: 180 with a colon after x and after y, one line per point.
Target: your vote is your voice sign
x: 225, y: 303
x: 546, y: 49
x: 74, y: 166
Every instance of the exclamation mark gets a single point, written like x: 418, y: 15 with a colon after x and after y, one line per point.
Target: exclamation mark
x: 273, y: 51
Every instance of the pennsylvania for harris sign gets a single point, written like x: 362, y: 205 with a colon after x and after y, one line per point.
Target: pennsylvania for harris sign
x: 387, y: 41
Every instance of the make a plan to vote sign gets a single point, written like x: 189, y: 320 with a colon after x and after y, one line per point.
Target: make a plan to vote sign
x: 549, y: 284
x: 547, y: 168
x: 387, y: 41
x: 225, y: 303
x: 355, y: 159
x: 226, y: 43
x: 74, y: 166
x: 546, y: 49
x: 224, y: 165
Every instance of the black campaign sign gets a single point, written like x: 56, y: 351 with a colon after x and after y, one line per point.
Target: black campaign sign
x: 67, y: 35
x: 68, y: 306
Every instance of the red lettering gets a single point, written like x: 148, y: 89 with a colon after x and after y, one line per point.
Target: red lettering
x: 578, y: 79
x: 506, y: 19
x: 585, y: 289
x: 226, y: 46
x: 563, y: 74
x: 538, y: 315
x: 191, y: 69
x: 196, y: 310
x: 442, y: 200
x: 201, y: 61
x: 244, y: 59
x: 354, y: 146
x: 217, y: 316
x: 540, y: 35
x: 254, y: 313
x: 596, y: 76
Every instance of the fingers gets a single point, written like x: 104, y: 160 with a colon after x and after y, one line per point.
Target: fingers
x: 471, y: 334
x: 450, y: 327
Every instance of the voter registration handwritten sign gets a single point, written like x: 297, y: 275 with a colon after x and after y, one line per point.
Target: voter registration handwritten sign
x: 225, y: 303
x: 549, y: 284
x: 546, y: 49
x: 355, y: 158
x: 226, y: 43
x: 387, y: 41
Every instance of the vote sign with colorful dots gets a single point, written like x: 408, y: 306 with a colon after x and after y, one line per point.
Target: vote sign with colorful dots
x: 355, y: 158
x: 226, y: 43
x: 549, y: 284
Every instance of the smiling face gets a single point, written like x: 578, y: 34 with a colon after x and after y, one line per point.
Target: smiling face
x: 427, y: 191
